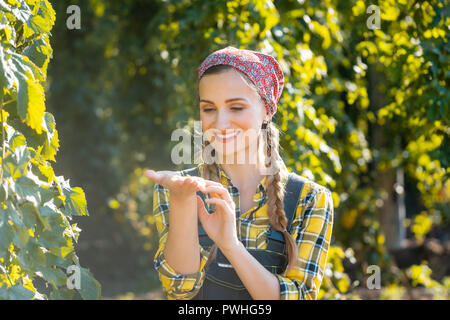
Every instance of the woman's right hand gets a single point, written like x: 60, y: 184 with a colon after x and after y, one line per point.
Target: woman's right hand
x: 179, y: 186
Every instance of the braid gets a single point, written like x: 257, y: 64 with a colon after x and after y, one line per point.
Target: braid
x: 275, y: 195
x: 274, y: 191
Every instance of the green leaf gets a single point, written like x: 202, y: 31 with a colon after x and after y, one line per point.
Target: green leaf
x: 47, y: 12
x: 31, y: 257
x: 48, y: 194
x: 90, y: 288
x: 3, y: 191
x: 51, y: 144
x: 13, y: 215
x: 17, y: 140
x: 53, y: 275
x: 54, y: 239
x: 9, y: 32
x: 28, y: 190
x: 62, y: 251
x: 30, y: 102
x: 3, y: 289
x: 6, y: 232
x: 23, y: 12
x: 35, y: 25
x: 75, y: 203
x: 30, y: 93
x: 55, y: 260
x: 44, y: 213
x: 22, y: 65
x: 39, y: 52
x: 15, y: 163
x: 62, y: 294
x: 21, y: 237
x: 18, y: 292
x: 7, y: 77
x: 29, y: 214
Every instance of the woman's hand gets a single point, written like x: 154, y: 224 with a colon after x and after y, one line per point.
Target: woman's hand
x: 179, y: 186
x: 220, y: 225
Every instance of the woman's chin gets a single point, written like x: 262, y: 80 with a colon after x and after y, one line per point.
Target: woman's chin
x: 235, y: 156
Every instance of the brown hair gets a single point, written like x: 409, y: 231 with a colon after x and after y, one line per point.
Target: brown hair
x: 274, y: 184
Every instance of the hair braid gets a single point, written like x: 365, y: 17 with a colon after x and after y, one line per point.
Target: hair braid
x: 275, y: 195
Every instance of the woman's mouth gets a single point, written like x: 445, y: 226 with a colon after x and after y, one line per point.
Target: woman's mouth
x: 226, y: 138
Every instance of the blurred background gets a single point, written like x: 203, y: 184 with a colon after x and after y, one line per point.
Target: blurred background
x: 365, y: 112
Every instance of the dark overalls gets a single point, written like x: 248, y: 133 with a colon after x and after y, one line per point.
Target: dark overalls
x: 222, y: 282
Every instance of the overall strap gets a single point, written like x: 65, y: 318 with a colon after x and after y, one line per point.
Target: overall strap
x: 192, y: 172
x: 294, y: 186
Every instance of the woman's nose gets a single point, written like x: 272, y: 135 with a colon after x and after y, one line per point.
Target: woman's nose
x: 222, y: 121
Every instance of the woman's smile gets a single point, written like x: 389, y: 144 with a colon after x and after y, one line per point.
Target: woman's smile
x: 230, y: 136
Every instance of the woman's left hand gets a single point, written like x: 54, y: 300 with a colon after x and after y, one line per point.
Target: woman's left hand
x: 220, y: 225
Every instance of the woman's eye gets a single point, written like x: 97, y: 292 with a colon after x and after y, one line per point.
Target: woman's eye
x: 234, y: 108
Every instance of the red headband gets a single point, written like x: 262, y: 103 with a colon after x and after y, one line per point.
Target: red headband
x: 262, y: 69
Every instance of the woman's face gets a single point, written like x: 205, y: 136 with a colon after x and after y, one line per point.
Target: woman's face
x: 231, y: 112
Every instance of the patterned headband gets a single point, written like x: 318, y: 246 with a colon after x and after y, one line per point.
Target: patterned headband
x: 262, y: 69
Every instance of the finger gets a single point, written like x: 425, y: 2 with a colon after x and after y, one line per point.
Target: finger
x: 203, y: 183
x: 166, y: 178
x: 221, y: 191
x: 221, y: 203
x: 202, y: 212
x: 153, y: 175
x: 212, y: 183
x: 197, y: 180
x: 190, y: 183
x: 199, y: 183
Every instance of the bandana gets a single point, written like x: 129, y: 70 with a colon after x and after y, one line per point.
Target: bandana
x: 262, y: 69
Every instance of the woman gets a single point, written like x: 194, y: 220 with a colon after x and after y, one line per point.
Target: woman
x: 249, y: 247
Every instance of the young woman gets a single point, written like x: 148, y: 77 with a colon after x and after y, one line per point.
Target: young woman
x: 269, y: 234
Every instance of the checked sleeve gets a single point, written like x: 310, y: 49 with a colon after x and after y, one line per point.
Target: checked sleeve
x: 312, y: 228
x: 177, y: 286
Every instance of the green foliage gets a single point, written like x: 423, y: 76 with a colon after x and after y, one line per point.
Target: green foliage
x: 36, y: 207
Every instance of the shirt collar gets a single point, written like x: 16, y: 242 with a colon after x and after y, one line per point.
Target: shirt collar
x: 224, y: 179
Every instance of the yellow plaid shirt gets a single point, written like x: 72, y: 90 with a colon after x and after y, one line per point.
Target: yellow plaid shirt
x: 311, y: 227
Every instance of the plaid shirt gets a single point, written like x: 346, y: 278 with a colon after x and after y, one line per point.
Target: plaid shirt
x: 311, y: 227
